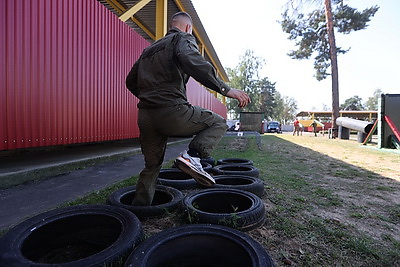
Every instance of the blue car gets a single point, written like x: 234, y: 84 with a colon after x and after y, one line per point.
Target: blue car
x: 274, y: 127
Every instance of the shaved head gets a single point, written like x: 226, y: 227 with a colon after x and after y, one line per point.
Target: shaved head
x: 182, y: 21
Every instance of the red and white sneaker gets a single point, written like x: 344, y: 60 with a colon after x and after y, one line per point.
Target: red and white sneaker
x: 192, y: 166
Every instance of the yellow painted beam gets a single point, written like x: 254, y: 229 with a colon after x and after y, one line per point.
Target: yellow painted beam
x: 116, y: 5
x: 132, y: 11
x: 120, y: 9
x: 201, y: 49
x: 161, y: 18
x: 144, y: 28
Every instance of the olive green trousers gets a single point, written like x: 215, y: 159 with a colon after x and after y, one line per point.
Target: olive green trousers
x: 156, y: 125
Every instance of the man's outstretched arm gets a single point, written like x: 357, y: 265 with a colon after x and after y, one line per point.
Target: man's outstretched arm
x: 241, y: 96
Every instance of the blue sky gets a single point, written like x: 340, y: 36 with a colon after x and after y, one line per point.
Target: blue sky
x: 372, y: 63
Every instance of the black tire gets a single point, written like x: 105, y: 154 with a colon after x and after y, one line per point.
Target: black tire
x: 242, y: 182
x: 177, y: 179
x: 209, y: 160
x: 231, y: 169
x: 207, y: 167
x: 200, y: 245
x: 166, y: 199
x: 84, y: 235
x: 230, y: 207
x: 235, y: 161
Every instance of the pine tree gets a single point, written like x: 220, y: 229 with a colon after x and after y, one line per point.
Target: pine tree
x: 315, y: 36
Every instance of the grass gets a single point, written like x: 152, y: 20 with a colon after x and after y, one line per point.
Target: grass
x: 310, y: 221
x: 297, y: 199
x: 100, y: 197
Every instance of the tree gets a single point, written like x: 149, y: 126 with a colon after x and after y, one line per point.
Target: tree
x: 266, y: 100
x: 314, y: 35
x: 352, y: 103
x: 286, y: 108
x: 245, y: 76
x: 372, y: 102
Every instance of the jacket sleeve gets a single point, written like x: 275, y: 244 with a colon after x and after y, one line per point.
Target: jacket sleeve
x: 131, y: 79
x: 195, y: 65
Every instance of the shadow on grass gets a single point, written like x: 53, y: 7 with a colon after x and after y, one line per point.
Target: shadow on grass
x: 322, y: 211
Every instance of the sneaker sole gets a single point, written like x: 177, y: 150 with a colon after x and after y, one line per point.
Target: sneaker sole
x: 201, y: 179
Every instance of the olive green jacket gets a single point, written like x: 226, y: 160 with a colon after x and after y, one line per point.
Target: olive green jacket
x: 158, y: 78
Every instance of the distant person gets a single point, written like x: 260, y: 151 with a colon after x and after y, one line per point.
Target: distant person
x: 158, y: 78
x: 314, y: 125
x: 296, y: 125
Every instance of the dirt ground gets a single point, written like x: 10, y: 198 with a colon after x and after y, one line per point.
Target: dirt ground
x: 385, y: 162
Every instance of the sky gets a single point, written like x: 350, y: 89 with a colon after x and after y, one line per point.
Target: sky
x: 234, y: 26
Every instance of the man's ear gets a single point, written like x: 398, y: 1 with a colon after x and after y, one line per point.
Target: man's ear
x: 188, y: 28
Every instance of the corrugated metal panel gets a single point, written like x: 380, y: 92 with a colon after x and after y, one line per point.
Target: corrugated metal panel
x: 199, y: 96
x: 3, y: 92
x: 62, y: 74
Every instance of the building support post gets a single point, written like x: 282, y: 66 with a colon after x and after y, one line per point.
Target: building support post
x: 161, y: 18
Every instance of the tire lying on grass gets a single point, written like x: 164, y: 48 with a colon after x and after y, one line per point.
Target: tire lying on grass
x: 230, y: 207
x: 200, y: 245
x: 233, y: 169
x: 242, y: 182
x: 83, y: 235
x: 209, y: 160
x: 235, y: 161
x: 207, y: 167
x: 166, y: 199
x: 177, y: 179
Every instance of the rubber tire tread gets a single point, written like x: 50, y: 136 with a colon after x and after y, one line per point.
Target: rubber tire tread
x: 247, y: 183
x: 118, y: 197
x: 208, y: 160
x: 245, y: 220
x: 207, y: 167
x: 180, y: 184
x: 235, y: 161
x: 12, y: 242
x: 211, y: 245
x: 234, y: 169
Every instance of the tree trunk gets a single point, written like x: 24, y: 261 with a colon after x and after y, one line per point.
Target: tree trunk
x: 334, y: 65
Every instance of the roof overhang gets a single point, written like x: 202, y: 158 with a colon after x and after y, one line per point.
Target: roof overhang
x: 151, y: 19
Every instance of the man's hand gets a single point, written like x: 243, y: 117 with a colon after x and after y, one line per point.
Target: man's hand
x: 241, y: 96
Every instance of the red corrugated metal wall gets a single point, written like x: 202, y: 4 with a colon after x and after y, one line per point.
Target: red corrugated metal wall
x: 62, y: 74
x: 199, y: 96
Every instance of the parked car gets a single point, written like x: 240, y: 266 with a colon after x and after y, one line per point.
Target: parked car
x: 235, y: 127
x: 274, y: 127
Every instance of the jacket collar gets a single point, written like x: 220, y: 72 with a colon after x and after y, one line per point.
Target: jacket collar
x: 173, y: 30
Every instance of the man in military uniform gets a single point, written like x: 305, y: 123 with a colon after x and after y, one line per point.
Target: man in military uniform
x: 158, y: 78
